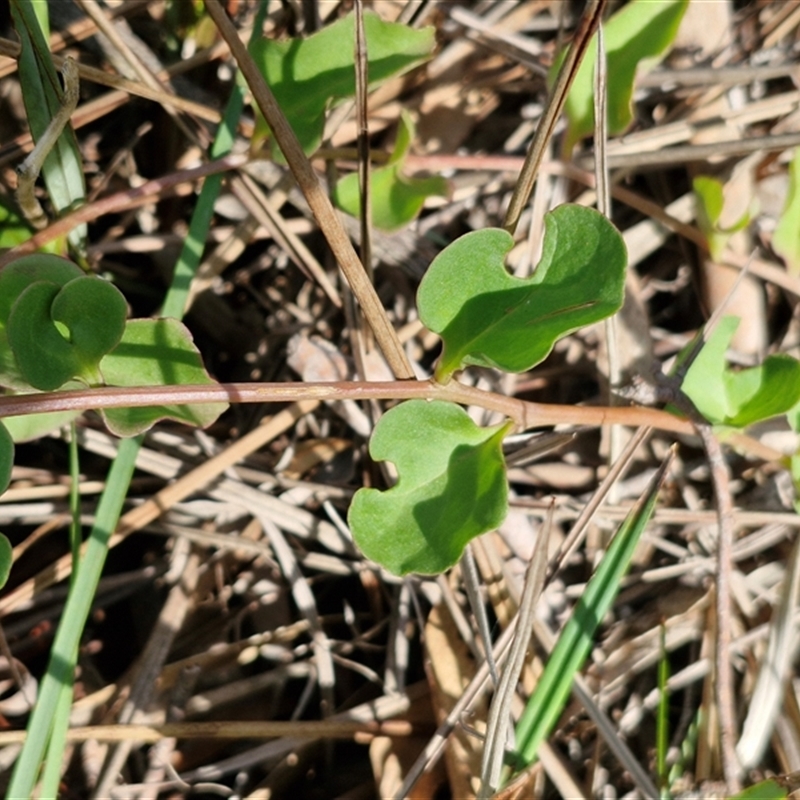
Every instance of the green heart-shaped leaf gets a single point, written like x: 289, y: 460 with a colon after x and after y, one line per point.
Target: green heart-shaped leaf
x: 395, y: 198
x: 489, y: 318
x: 635, y: 37
x: 14, y: 279
x: 22, y: 272
x: 452, y: 487
x: 308, y: 75
x: 740, y: 397
x: 61, y: 332
x: 63, y: 168
x: 156, y: 352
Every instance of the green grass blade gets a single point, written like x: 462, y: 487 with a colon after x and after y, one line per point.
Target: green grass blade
x: 189, y: 260
x: 76, y: 610
x: 192, y: 252
x: 51, y: 774
x: 662, y: 720
x: 74, y: 500
x: 688, y: 750
x: 48, y: 724
x: 575, y: 641
x: 41, y: 94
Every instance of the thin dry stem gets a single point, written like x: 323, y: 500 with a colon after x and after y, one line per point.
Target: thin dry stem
x: 726, y: 696
x: 544, y: 132
x: 148, y: 192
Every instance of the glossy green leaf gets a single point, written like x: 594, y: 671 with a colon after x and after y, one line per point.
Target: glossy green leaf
x: 764, y: 391
x: 41, y: 94
x: 395, y: 198
x: 18, y: 276
x: 703, y: 383
x: 709, y: 193
x: 451, y: 488
x: 14, y: 279
x: 156, y: 352
x: 764, y: 790
x: 14, y: 231
x: 575, y: 640
x: 740, y: 397
x: 308, y: 75
x: 27, y: 427
x: 21, y: 273
x: 636, y: 37
x: 489, y: 318
x: 786, y: 238
x: 61, y: 332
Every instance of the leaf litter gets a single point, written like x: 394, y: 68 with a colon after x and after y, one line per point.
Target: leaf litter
x: 235, y: 593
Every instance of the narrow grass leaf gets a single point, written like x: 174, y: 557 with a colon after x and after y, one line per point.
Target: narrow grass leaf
x: 573, y: 645
x: 192, y: 251
x: 64, y: 651
x: 41, y: 94
x: 56, y: 747
x: 662, y: 718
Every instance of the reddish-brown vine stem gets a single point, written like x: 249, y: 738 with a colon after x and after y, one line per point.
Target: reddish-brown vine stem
x: 524, y: 414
